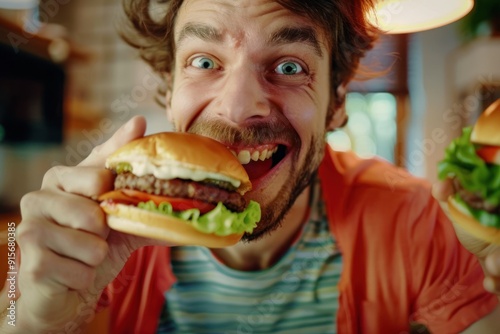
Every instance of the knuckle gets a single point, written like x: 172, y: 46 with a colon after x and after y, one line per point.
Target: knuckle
x: 35, y: 270
x: 53, y: 175
x: 28, y: 201
x: 28, y: 233
x: 90, y: 219
x: 100, y: 251
x: 37, y: 273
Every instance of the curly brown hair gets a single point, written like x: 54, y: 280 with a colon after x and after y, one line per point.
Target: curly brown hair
x: 349, y: 33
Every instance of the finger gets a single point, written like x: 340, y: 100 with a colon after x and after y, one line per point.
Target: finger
x: 49, y: 285
x: 79, y: 245
x: 53, y: 274
x: 492, y: 284
x: 84, y: 181
x: 441, y: 190
x: 492, y: 263
x: 42, y: 266
x: 66, y: 209
x: 131, y: 130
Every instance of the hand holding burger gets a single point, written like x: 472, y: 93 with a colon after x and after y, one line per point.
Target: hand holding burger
x: 181, y: 188
x: 470, y: 191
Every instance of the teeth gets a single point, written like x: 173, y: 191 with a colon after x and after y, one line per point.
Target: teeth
x: 255, y: 156
x: 244, y: 157
x: 263, y: 155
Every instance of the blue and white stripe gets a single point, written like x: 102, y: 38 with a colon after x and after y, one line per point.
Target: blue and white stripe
x: 297, y: 295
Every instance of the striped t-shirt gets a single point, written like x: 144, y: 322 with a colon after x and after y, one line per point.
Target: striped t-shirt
x: 297, y: 295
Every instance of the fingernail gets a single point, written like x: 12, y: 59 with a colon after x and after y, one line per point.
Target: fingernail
x: 489, y: 284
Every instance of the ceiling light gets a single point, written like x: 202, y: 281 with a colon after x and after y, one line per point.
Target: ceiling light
x: 406, y: 16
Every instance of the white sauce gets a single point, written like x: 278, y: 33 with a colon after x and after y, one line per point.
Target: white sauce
x: 177, y: 170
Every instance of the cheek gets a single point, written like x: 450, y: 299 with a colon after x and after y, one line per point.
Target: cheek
x: 187, y: 102
x: 305, y: 115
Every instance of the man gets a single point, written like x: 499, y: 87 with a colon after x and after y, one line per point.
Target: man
x: 251, y: 73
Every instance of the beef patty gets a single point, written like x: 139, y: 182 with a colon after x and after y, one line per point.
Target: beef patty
x: 205, y: 192
x: 474, y: 200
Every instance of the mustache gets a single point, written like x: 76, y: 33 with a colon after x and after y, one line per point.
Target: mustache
x: 258, y: 133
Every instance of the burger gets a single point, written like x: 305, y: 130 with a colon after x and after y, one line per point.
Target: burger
x: 182, y: 188
x: 472, y: 162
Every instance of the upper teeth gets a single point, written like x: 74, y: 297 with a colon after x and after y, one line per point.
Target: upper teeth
x: 245, y: 156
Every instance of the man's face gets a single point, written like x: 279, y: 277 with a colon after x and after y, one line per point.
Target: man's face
x: 254, y: 76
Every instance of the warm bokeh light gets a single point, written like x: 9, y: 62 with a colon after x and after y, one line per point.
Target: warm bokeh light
x: 406, y: 16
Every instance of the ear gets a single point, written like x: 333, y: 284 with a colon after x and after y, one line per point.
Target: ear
x: 337, y: 115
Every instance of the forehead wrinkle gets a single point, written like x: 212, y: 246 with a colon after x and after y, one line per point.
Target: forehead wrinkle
x: 287, y: 35
x: 199, y: 30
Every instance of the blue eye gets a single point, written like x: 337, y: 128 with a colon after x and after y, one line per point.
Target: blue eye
x: 288, y: 68
x: 204, y: 63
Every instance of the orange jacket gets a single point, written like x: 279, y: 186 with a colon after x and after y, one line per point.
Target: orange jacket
x: 402, y: 262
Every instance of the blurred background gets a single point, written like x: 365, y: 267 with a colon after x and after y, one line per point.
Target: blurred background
x: 67, y: 82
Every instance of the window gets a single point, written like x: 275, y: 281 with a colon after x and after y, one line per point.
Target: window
x: 377, y: 108
x: 372, y: 126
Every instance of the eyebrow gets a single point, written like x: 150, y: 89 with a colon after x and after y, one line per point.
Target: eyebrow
x: 285, y: 35
x: 201, y: 31
x: 288, y: 35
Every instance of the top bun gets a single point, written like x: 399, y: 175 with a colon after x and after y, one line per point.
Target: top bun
x: 487, y: 128
x: 195, y: 151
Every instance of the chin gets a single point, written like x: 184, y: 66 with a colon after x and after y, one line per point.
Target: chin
x: 274, y: 210
x: 277, y: 180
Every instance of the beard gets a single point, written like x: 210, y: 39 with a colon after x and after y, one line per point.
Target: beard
x: 301, y: 174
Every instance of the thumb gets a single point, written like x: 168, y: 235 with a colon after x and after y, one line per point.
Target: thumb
x: 133, y: 129
x: 441, y: 190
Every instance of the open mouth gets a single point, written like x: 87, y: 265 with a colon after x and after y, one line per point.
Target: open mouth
x: 260, y: 160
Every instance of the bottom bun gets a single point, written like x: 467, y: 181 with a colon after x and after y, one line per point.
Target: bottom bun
x: 132, y: 220
x: 467, y: 222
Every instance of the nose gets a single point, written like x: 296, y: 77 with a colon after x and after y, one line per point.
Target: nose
x: 243, y: 96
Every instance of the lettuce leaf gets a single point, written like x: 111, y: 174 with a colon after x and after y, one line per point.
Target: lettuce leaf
x: 475, y: 175
x: 487, y: 219
x: 219, y: 221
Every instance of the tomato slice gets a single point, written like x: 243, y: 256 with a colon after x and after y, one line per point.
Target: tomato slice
x: 134, y: 197
x: 119, y: 197
x: 489, y: 154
